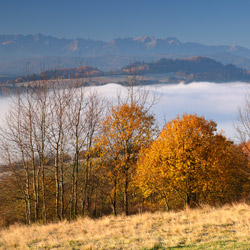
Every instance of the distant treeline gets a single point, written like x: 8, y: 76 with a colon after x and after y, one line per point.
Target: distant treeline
x: 193, y: 69
x: 188, y: 70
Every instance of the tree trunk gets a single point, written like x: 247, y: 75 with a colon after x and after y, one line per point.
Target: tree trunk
x: 57, y: 186
x: 115, y: 198
x: 44, y: 211
x: 126, y: 194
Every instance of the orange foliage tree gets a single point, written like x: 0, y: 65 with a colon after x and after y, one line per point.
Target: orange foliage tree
x: 126, y: 130
x: 189, y: 163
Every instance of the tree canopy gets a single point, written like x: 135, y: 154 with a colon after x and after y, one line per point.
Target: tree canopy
x: 190, y: 163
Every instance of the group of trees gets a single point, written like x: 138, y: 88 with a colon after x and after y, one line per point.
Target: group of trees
x: 48, y: 132
x: 68, y: 152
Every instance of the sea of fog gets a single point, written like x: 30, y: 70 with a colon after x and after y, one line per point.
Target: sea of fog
x: 218, y: 102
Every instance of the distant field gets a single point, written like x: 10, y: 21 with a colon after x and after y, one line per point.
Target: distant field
x: 146, y: 79
x: 207, y: 228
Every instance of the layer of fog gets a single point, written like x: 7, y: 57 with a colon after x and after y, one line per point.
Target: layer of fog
x: 218, y: 102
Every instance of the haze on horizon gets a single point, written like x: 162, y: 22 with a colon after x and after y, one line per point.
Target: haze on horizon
x: 208, y: 22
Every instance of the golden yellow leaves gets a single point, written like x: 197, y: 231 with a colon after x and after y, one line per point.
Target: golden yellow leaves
x: 189, y: 162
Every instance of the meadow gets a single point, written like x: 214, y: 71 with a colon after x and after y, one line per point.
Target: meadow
x: 225, y: 227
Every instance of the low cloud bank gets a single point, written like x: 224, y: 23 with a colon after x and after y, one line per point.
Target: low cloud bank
x: 218, y: 102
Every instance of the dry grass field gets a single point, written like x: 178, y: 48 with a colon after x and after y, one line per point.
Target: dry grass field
x: 207, y: 228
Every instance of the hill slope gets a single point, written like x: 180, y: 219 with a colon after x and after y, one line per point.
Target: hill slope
x: 192, y: 69
x: 206, y: 228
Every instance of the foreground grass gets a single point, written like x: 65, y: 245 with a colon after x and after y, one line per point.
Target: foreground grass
x: 208, y: 228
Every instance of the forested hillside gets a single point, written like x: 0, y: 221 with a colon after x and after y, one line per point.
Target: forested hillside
x: 193, y: 69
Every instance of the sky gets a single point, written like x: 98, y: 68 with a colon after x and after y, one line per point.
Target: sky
x: 211, y: 22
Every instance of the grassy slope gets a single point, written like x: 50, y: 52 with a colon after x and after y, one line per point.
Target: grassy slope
x: 208, y: 228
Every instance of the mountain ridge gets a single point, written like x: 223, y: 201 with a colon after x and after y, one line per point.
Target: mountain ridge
x: 29, y: 48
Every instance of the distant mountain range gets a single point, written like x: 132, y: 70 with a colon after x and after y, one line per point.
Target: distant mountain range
x: 36, y: 52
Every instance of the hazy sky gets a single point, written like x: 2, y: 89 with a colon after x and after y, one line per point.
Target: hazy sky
x: 205, y: 21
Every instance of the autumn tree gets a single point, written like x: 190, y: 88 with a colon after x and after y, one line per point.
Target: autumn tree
x: 125, y: 131
x: 189, y: 163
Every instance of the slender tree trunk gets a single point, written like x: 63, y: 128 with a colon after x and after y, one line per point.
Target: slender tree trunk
x: 85, y: 190
x: 74, y: 202
x: 166, y: 203
x: 115, y: 198
x: 28, y: 203
x: 76, y: 186
x: 188, y: 200
x: 32, y: 151
x: 57, y: 186
x: 72, y: 211
x: 95, y: 206
x: 126, y: 194
x: 62, y: 194
x: 44, y: 212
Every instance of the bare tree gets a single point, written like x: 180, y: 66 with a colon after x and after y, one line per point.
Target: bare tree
x: 242, y: 127
x: 243, y: 124
x: 58, y: 131
x: 15, y: 144
x: 93, y: 115
x: 75, y: 116
x: 41, y: 102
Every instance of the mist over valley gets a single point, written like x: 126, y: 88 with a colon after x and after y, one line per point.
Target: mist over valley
x: 218, y: 102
